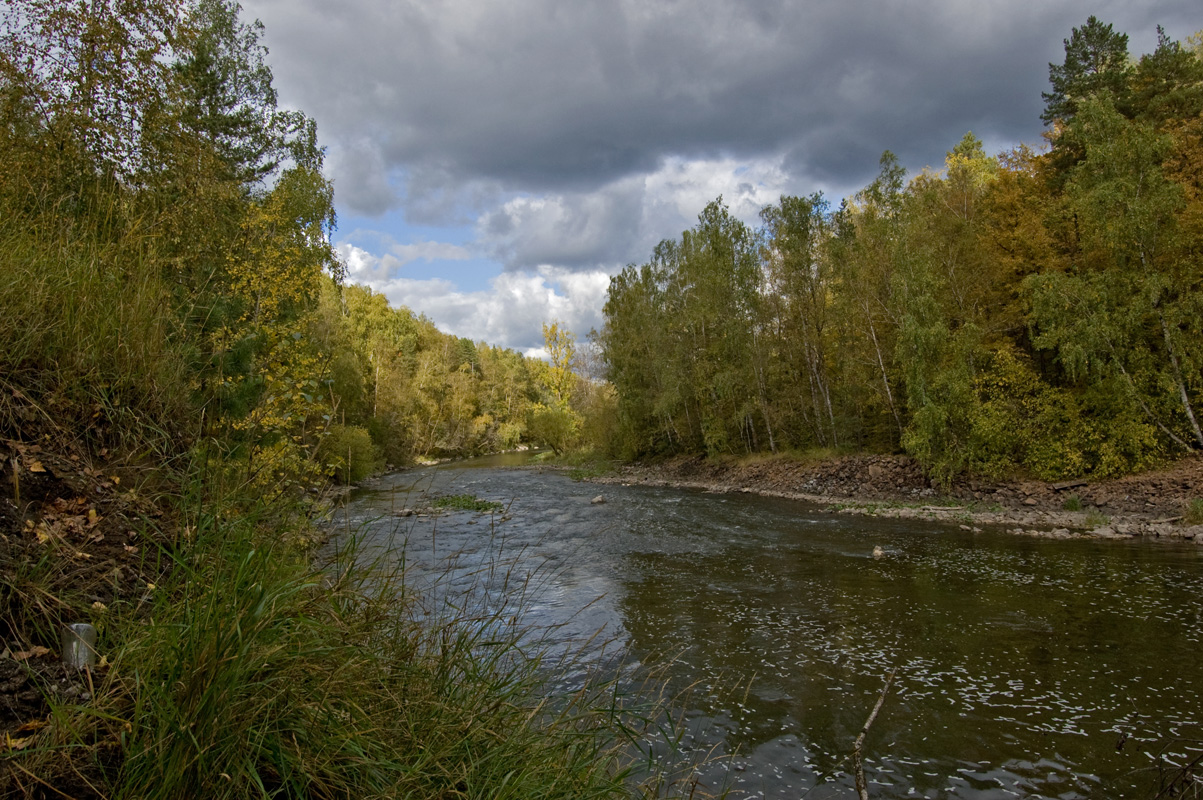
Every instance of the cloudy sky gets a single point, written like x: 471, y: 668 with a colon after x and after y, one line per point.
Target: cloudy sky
x: 495, y: 161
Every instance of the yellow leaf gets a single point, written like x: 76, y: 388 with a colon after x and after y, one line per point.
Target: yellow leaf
x: 16, y: 744
x: 36, y: 466
x: 99, y: 606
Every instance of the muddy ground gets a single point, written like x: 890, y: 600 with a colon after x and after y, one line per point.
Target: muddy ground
x: 1151, y: 504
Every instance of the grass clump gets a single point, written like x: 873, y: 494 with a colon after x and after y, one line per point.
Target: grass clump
x: 1096, y: 519
x: 1072, y: 503
x: 1193, y: 514
x: 466, y: 502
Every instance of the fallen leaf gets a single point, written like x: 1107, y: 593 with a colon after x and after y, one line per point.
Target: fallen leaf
x: 99, y: 606
x: 32, y: 726
x: 37, y: 651
x: 129, y: 548
x: 104, y: 661
x: 150, y: 585
x: 116, y: 479
x: 16, y: 744
x: 93, y: 517
x: 36, y: 466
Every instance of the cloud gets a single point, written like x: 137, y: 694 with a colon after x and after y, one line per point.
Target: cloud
x: 361, y: 177
x: 453, y: 99
x: 619, y: 223
x: 364, y: 267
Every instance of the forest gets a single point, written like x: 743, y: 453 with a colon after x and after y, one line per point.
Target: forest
x: 1035, y: 312
x: 170, y: 277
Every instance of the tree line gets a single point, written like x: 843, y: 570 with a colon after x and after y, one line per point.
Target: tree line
x: 1039, y: 311
x: 170, y: 282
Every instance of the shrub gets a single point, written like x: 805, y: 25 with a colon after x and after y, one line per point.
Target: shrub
x: 1022, y: 424
x: 349, y: 454
x: 1193, y: 515
x: 554, y: 427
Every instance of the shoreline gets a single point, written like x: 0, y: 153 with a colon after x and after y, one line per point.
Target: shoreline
x: 1145, y: 506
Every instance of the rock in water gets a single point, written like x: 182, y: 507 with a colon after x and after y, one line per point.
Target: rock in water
x: 878, y: 552
x: 597, y: 501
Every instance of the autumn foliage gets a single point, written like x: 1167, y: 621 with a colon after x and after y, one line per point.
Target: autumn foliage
x: 1036, y: 312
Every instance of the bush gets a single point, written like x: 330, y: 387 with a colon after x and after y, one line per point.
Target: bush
x: 1193, y: 515
x: 349, y: 454
x: 553, y: 427
x: 1022, y: 424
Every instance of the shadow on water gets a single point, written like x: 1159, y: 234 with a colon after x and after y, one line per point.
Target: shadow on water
x: 1021, y: 663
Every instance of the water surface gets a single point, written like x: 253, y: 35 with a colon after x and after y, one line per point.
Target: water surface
x: 1021, y: 664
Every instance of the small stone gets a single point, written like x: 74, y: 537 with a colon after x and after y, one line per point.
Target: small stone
x: 1031, y: 501
x: 598, y: 500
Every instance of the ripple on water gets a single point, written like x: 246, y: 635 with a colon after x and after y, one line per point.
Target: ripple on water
x: 1020, y: 662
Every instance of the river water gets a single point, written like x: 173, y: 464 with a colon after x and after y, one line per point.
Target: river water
x: 1022, y: 665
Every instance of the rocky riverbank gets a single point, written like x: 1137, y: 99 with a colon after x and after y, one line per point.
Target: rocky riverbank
x: 1153, y: 504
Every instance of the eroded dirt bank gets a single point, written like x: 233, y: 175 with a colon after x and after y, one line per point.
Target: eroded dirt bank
x: 1151, y: 504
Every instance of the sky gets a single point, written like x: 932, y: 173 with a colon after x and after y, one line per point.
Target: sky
x: 496, y: 161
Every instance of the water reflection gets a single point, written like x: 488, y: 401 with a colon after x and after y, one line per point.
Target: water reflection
x: 1021, y: 662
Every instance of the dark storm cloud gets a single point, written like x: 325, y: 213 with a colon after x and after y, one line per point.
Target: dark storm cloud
x: 463, y: 102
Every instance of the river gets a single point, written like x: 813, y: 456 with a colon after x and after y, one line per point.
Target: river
x: 1024, y: 667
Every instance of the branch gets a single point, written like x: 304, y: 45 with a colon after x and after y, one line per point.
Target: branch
x: 858, y: 765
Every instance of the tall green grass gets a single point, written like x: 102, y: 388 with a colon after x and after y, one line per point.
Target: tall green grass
x: 89, y: 342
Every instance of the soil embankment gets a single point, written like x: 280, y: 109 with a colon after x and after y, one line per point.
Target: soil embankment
x: 1151, y: 504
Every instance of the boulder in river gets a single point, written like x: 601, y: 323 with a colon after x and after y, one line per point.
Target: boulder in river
x: 597, y: 501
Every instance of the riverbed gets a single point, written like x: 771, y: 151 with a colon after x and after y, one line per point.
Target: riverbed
x: 1024, y: 667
